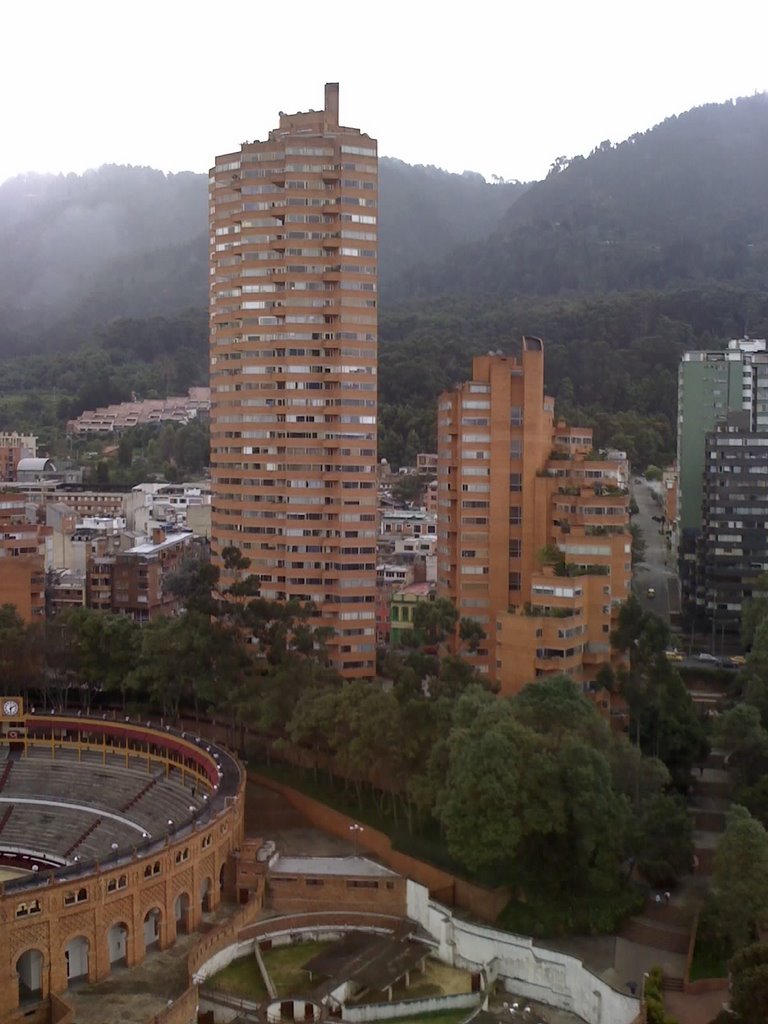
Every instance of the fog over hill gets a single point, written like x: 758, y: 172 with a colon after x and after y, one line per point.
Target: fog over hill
x: 80, y: 250
x: 684, y: 202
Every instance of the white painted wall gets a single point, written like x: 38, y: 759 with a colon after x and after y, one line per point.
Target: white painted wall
x: 279, y: 937
x: 521, y: 966
x: 117, y: 939
x: 31, y: 969
x: 410, y: 1007
x: 151, y: 928
x: 76, y: 955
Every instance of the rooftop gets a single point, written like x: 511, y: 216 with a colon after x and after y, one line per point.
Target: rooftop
x: 149, y: 548
x: 345, y: 866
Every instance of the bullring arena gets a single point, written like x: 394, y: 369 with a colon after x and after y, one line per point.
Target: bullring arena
x: 114, y: 838
x: 123, y: 852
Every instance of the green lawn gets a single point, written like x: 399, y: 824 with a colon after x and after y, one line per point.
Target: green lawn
x: 284, y: 964
x: 241, y: 978
x: 710, y: 959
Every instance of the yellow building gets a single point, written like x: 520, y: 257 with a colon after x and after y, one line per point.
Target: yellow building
x: 403, y: 605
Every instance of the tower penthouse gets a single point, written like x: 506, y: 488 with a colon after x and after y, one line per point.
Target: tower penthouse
x: 293, y: 345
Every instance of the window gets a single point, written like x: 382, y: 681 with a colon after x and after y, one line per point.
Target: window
x: 514, y: 581
x: 117, y: 883
x: 515, y: 548
x: 73, y: 897
x: 515, y: 481
x: 25, y: 909
x: 515, y: 515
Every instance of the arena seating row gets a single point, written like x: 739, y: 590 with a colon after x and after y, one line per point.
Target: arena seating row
x: 149, y: 799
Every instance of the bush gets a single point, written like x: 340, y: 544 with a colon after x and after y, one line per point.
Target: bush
x: 654, y: 1000
x: 545, y: 917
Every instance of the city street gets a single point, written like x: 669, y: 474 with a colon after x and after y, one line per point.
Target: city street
x: 657, y: 570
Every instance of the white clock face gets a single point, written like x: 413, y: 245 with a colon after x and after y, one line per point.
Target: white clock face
x: 10, y: 707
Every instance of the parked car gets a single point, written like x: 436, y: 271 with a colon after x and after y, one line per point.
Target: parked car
x: 674, y: 655
x: 739, y: 660
x: 650, y: 592
x: 709, y: 658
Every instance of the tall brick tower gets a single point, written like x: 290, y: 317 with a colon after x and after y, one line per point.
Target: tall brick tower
x: 293, y: 346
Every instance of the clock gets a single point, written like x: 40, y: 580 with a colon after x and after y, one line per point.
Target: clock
x: 10, y: 707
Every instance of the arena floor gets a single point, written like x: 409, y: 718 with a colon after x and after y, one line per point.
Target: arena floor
x: 6, y: 873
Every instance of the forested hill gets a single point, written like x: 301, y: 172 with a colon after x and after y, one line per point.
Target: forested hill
x: 426, y: 212
x: 77, y: 251
x: 682, y: 203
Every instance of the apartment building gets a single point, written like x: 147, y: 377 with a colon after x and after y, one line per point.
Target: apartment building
x: 732, y: 549
x: 711, y: 384
x: 131, y: 581
x: 293, y: 349
x: 13, y: 448
x: 533, y: 526
x: 23, y: 545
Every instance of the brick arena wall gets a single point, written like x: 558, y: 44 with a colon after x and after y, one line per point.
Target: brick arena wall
x: 291, y: 894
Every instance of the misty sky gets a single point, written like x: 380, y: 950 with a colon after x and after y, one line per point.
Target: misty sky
x: 498, y: 87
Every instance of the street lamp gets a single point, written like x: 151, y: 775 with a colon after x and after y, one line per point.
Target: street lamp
x: 355, y: 829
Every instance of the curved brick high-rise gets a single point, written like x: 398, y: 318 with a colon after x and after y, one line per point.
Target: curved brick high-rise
x: 293, y: 344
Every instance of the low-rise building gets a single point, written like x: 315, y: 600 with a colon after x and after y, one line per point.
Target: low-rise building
x: 13, y: 448
x: 114, y: 419
x: 413, y: 522
x: 138, y: 575
x: 402, y: 606
x: 170, y: 504
x: 65, y: 589
x: 23, y: 547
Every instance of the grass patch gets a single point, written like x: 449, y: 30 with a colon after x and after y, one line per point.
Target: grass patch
x: 241, y: 978
x: 710, y: 957
x: 284, y: 964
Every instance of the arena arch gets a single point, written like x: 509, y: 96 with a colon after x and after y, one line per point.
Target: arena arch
x: 117, y: 943
x: 30, y: 970
x: 182, y: 908
x: 206, y: 895
x: 77, y: 959
x: 152, y: 924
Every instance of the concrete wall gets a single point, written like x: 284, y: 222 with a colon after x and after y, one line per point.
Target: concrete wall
x: 411, y: 1007
x: 519, y: 965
